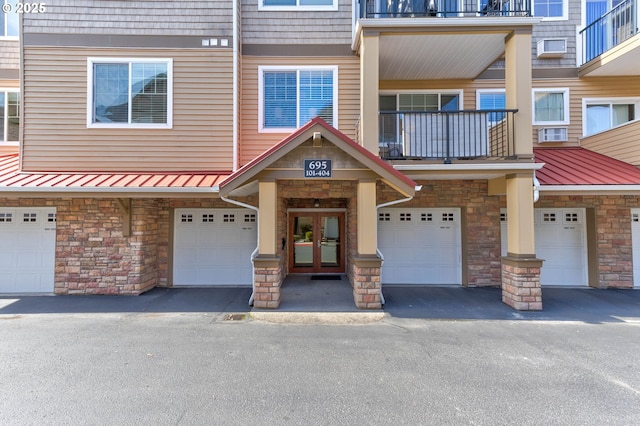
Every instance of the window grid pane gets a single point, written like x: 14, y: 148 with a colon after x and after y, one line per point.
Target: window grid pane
x: 280, y: 93
x: 3, y: 111
x: 13, y: 116
x: 493, y: 101
x: 111, y: 93
x: 548, y: 8
x: 149, y: 93
x: 13, y: 20
x: 130, y: 93
x: 292, y: 98
x: 316, y: 95
x: 549, y: 106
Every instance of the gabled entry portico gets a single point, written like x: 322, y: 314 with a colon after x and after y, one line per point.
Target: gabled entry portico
x: 308, y: 221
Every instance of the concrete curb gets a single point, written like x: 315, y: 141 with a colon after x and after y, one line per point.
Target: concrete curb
x: 332, y: 318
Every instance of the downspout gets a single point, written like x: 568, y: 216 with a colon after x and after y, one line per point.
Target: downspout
x: 536, y: 188
x: 235, y: 82
x: 378, y: 207
x: 254, y: 252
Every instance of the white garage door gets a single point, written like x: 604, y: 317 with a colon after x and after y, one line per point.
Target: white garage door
x: 420, y: 246
x: 212, y: 247
x: 635, y: 238
x: 27, y: 249
x: 561, y: 241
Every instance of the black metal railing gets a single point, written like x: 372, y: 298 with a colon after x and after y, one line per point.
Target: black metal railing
x: 617, y: 25
x: 443, y: 8
x: 447, y: 135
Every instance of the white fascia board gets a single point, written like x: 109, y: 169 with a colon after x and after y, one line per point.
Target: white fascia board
x: 591, y: 189
x: 469, y: 167
x: 53, y: 190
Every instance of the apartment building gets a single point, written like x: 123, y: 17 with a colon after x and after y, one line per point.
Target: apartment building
x: 471, y: 143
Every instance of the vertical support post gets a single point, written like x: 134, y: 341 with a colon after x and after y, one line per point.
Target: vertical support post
x: 518, y: 91
x: 369, y: 91
x: 267, y: 218
x: 367, y: 220
x: 365, y: 267
x: 520, y: 268
x: 268, y: 271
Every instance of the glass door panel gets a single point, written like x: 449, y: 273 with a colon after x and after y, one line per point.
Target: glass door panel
x: 330, y: 242
x: 316, y: 242
x: 303, y: 241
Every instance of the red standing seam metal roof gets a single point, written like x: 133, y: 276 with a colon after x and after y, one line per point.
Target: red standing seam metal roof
x: 579, y: 166
x: 563, y: 166
x: 11, y: 177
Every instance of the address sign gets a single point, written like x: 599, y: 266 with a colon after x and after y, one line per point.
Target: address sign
x: 317, y: 168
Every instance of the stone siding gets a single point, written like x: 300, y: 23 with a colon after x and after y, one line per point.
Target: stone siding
x: 93, y: 256
x: 521, y: 284
x: 480, y: 216
x: 613, y: 233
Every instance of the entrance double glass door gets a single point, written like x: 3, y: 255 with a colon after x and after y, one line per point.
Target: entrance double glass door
x: 316, y: 242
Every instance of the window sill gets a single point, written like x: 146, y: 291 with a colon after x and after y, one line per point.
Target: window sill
x: 130, y: 126
x: 298, y: 8
x: 278, y: 130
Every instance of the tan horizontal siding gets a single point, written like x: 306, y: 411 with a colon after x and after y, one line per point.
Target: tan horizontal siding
x: 56, y: 136
x: 620, y: 143
x: 579, y: 89
x: 254, y: 143
x: 8, y: 149
x: 10, y: 84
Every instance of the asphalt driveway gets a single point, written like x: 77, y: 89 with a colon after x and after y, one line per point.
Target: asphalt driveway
x: 440, y: 356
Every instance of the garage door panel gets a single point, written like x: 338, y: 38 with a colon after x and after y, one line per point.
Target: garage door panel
x: 560, y: 240
x: 27, y: 249
x: 420, y: 246
x: 215, y: 247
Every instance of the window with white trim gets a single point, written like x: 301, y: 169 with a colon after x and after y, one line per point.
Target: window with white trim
x: 290, y: 97
x: 298, y: 4
x: 390, y: 126
x: 129, y: 92
x: 9, y: 22
x: 550, y: 106
x: 9, y: 115
x: 603, y: 114
x: 551, y: 9
x: 487, y: 99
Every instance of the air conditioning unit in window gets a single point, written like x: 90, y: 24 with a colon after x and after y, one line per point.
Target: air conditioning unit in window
x: 553, y: 134
x: 552, y: 47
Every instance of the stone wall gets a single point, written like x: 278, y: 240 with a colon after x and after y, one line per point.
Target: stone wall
x: 613, y: 233
x: 480, y: 215
x: 93, y: 256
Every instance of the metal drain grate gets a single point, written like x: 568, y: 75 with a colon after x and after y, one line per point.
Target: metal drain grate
x: 235, y: 317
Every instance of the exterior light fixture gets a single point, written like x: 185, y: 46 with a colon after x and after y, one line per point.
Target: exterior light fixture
x: 316, y: 203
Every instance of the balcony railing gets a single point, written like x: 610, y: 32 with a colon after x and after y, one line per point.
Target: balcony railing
x: 612, y: 28
x: 443, y: 8
x: 447, y: 135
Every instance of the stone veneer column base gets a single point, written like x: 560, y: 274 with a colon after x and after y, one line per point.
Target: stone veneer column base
x: 267, y: 280
x: 365, y: 279
x: 521, y: 283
